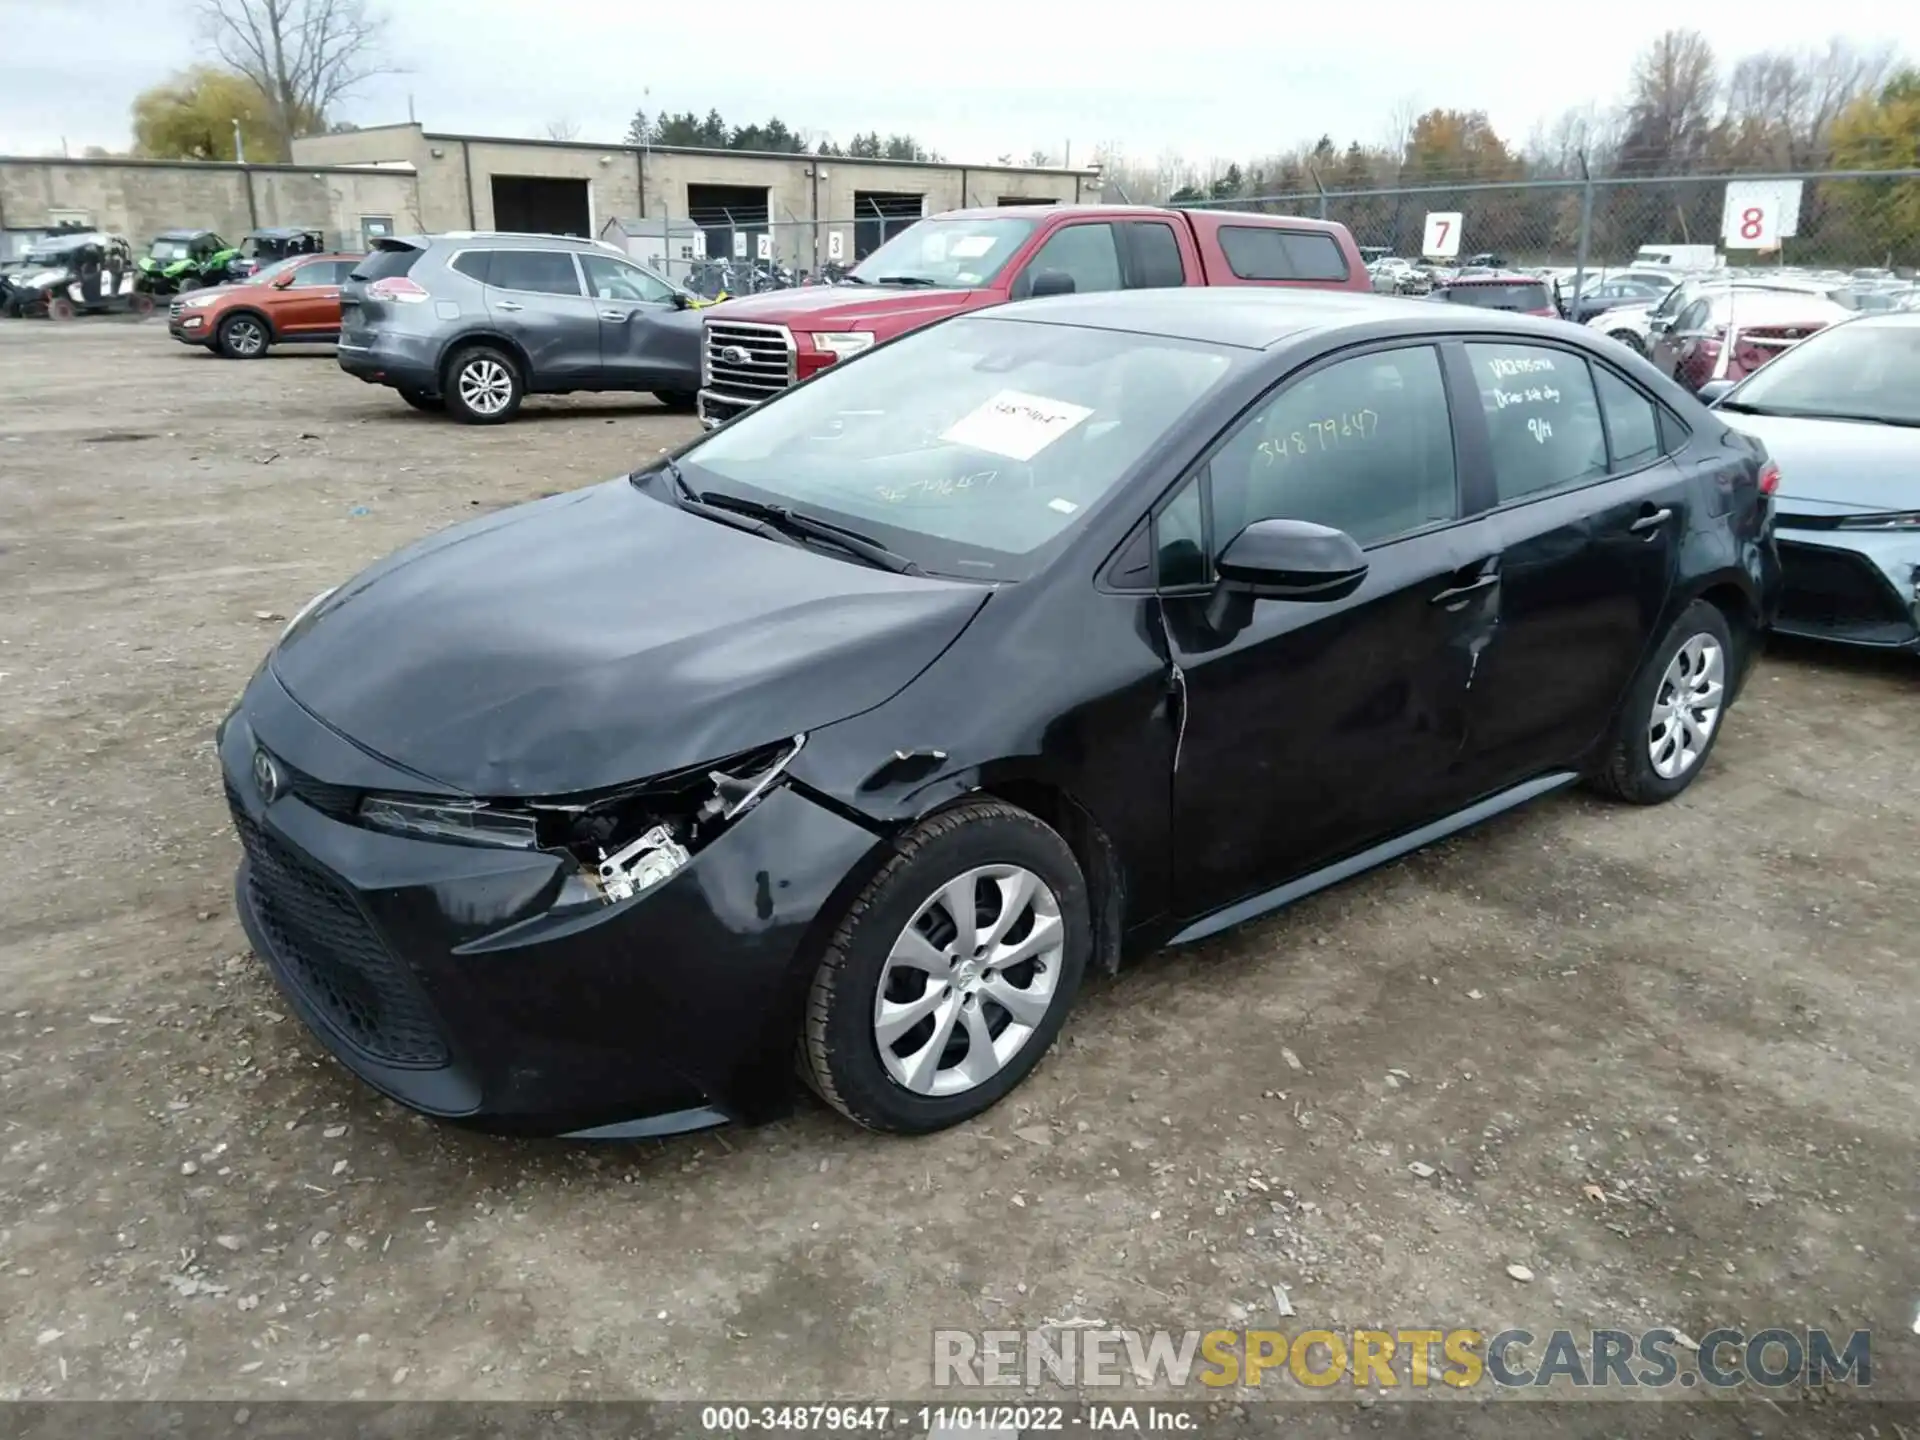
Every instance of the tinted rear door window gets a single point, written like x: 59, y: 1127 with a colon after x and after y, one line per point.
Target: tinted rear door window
x: 1543, y: 419
x: 541, y: 272
x: 1632, y: 423
x: 1269, y: 252
x: 1156, y: 255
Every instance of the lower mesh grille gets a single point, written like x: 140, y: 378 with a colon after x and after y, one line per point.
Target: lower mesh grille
x: 323, y: 946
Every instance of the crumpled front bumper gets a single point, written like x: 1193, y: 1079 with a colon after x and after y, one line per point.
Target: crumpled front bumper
x: 445, y: 976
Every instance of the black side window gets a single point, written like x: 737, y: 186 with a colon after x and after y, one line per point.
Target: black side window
x: 1364, y: 445
x: 1156, y: 255
x: 1269, y: 252
x: 1543, y: 419
x: 1086, y: 252
x: 474, y: 264
x: 1180, y: 541
x: 1633, y: 426
x: 542, y: 272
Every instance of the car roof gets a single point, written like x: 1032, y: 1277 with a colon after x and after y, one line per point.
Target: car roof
x: 183, y: 234
x: 1201, y: 218
x: 1255, y: 318
x: 285, y: 230
x: 1505, y: 279
x: 504, y: 239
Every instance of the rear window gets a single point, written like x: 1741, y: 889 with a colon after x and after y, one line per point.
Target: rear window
x: 543, y: 272
x: 474, y: 264
x: 1267, y: 252
x: 386, y: 262
x: 1500, y: 297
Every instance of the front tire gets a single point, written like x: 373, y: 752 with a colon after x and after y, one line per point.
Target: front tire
x: 60, y: 308
x: 681, y: 402
x: 1628, y: 339
x: 242, y: 337
x: 1674, y: 711
x: 483, y: 386
x: 951, y: 974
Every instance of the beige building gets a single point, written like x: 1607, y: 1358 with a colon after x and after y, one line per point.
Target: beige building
x: 800, y: 202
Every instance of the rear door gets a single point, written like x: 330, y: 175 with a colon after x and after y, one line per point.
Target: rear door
x: 536, y: 296
x: 1588, y: 512
x: 636, y: 350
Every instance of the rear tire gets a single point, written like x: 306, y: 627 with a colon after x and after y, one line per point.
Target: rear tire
x: 141, y: 305
x: 1674, y: 712
x: 60, y: 308
x: 1628, y: 339
x: 189, y: 284
x: 681, y: 402
x: 242, y: 337
x: 483, y: 386
x: 421, y: 400
x: 976, y: 1005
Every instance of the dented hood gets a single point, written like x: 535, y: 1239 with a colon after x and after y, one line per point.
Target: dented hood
x: 846, y: 307
x: 603, y: 637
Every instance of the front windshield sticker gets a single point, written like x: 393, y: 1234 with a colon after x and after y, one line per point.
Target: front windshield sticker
x: 1015, y: 424
x: 970, y: 247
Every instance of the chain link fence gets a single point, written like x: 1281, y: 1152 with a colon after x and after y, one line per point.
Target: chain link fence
x: 741, y: 251
x: 1845, y: 220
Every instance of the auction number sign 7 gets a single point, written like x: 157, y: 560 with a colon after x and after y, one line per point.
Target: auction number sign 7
x: 1441, y: 239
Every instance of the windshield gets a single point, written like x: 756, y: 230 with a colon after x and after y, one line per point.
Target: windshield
x: 956, y: 253
x: 266, y: 272
x: 170, y: 249
x: 970, y: 446
x: 1862, y: 368
x: 52, y: 252
x: 1500, y: 297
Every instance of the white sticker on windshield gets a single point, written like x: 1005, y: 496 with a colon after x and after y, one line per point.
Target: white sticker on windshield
x: 1016, y: 424
x: 970, y: 247
x: 1065, y: 507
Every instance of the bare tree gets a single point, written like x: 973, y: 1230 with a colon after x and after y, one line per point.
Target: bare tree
x: 563, y: 129
x: 303, y: 54
x: 1670, y: 112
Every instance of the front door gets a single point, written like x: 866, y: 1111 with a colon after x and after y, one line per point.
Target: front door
x: 1588, y: 517
x: 1311, y: 729
x: 310, y: 306
x: 636, y: 350
x: 537, y: 298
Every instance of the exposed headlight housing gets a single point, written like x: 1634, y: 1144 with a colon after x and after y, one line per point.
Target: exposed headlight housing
x: 842, y: 344
x: 1882, y: 520
x: 464, y: 822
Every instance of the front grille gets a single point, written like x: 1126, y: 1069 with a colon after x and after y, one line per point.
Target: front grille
x: 1830, y: 589
x: 176, y: 310
x: 323, y: 947
x: 751, y: 361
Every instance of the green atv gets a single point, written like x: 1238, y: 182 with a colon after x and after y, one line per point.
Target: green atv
x: 181, y: 260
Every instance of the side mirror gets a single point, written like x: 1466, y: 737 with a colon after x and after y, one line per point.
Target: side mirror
x: 1051, y: 282
x: 682, y: 300
x: 1293, y: 560
x: 281, y: 282
x: 1713, y: 390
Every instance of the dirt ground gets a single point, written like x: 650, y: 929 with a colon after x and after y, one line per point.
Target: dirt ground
x: 1664, y: 1059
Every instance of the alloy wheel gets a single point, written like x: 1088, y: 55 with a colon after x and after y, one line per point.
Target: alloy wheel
x: 969, y: 980
x: 246, y: 337
x: 1686, y: 707
x: 485, y: 386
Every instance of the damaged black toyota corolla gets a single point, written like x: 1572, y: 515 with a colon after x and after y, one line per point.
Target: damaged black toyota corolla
x: 845, y: 741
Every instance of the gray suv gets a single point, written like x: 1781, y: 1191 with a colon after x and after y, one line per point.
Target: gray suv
x: 473, y: 323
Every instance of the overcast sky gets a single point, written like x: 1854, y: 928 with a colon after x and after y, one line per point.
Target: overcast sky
x: 991, y: 77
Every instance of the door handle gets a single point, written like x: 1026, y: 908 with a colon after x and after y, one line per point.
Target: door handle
x: 1651, y: 522
x: 507, y: 305
x: 615, y: 314
x: 1460, y: 592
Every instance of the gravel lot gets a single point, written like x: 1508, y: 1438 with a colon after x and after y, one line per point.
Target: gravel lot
x: 1664, y: 1059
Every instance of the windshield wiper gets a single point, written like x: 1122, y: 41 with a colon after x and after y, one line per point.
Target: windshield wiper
x: 852, y: 279
x: 865, y: 547
x: 908, y: 280
x: 691, y: 500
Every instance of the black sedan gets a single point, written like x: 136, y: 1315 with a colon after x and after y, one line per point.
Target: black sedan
x: 863, y: 727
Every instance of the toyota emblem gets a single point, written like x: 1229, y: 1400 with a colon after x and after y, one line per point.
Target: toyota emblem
x: 735, y: 355
x: 266, y: 777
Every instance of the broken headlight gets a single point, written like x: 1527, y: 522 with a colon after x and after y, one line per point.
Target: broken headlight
x: 469, y: 822
x: 637, y: 838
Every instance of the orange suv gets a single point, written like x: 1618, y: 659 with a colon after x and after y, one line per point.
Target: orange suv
x: 297, y: 299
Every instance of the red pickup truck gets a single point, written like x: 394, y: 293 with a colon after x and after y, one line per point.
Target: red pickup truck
x: 758, y: 345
